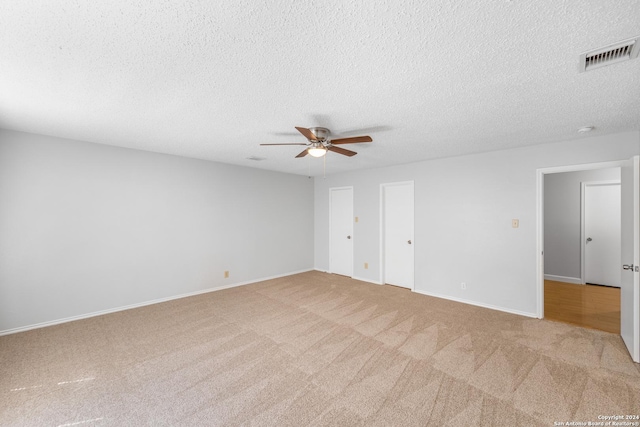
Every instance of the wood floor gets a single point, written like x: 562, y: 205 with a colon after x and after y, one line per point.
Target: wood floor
x: 590, y: 306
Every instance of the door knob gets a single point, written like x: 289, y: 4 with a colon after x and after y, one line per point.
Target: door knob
x: 409, y: 241
x: 348, y: 237
x: 627, y: 267
x: 589, y: 239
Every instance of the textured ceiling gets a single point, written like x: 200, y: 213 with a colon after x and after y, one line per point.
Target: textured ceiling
x: 214, y: 79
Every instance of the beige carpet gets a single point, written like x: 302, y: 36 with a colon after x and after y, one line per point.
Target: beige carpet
x: 313, y: 349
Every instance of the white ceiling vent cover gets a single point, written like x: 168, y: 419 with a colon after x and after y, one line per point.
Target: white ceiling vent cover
x: 618, y: 52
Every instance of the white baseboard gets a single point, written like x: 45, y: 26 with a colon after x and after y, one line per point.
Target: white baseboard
x: 574, y: 280
x: 375, y: 282
x: 362, y: 279
x: 142, y: 304
x: 479, y: 304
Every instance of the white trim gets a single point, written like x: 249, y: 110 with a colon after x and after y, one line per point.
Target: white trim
x: 540, y: 173
x: 636, y: 259
x: 381, y: 236
x: 582, y: 167
x: 362, y: 279
x: 540, y: 243
x: 478, y: 304
x: 381, y: 233
x: 574, y: 280
x: 583, y: 236
x: 141, y: 304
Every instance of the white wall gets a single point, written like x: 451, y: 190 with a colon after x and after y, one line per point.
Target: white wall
x: 463, y: 211
x: 562, y: 225
x: 87, y: 228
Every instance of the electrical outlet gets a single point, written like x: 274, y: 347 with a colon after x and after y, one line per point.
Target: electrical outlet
x: 463, y: 285
x: 226, y: 274
x: 356, y: 219
x: 366, y: 265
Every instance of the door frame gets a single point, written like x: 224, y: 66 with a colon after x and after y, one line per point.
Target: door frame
x: 332, y: 189
x: 583, y: 236
x: 382, y: 230
x: 540, y: 173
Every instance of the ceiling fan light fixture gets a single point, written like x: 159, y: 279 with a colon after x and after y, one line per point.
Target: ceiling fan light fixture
x: 317, y: 151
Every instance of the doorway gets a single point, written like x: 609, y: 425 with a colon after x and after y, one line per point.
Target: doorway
x: 582, y: 246
x: 397, y: 227
x: 341, y: 231
x: 630, y: 244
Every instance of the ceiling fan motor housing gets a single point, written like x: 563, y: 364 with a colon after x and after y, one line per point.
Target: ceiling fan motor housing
x: 322, y: 134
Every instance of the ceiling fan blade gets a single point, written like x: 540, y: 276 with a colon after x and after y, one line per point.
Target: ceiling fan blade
x: 307, y: 133
x: 304, y: 153
x: 291, y: 143
x: 360, y: 131
x: 352, y: 140
x: 342, y: 151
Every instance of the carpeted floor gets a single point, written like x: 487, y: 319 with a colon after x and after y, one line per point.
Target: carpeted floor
x: 314, y: 349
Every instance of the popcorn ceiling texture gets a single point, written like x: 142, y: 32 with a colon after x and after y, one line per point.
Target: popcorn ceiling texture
x: 213, y: 80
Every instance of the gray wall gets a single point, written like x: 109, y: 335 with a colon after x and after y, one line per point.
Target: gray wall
x: 463, y: 211
x: 87, y: 228
x: 562, y: 221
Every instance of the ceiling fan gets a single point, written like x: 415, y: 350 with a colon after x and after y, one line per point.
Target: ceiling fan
x: 319, y: 142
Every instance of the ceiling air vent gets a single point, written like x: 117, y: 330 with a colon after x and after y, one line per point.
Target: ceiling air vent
x: 622, y: 51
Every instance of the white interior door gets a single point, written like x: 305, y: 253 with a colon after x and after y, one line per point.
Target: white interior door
x: 602, y: 233
x: 397, y: 212
x: 630, y: 289
x: 341, y: 231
